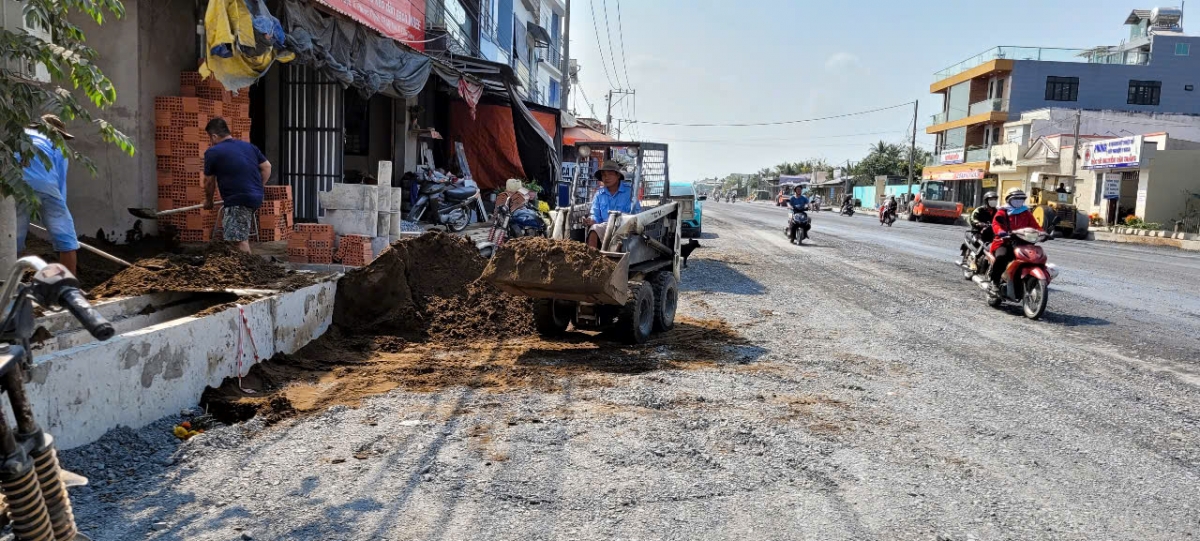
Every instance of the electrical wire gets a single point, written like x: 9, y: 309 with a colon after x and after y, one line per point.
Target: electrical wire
x: 779, y: 123
x: 600, y: 46
x: 778, y: 139
x: 591, y: 107
x: 624, y: 57
x: 612, y: 55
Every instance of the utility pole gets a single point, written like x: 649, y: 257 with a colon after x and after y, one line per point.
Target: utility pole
x: 1075, y: 146
x: 565, y: 67
x: 623, y: 92
x: 912, y: 148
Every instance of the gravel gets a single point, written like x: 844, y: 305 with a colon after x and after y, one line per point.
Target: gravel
x: 878, y: 399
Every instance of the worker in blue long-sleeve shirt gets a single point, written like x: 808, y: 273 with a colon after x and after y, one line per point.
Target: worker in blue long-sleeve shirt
x: 613, y: 194
x: 49, y: 182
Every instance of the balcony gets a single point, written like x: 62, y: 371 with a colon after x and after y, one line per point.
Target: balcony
x: 979, y: 155
x: 939, y: 118
x: 989, y: 106
x: 1046, y: 54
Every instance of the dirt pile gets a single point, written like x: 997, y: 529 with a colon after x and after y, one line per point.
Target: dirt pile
x: 427, y: 287
x: 94, y: 270
x: 568, y: 265
x: 220, y: 266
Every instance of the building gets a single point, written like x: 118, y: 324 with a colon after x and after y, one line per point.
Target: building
x: 1153, y: 71
x: 527, y: 35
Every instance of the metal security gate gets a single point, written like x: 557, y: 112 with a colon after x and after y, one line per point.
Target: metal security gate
x: 311, y: 123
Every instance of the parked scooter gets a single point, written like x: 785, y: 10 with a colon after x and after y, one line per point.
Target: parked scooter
x: 517, y: 213
x: 453, y: 198
x: 1026, y: 281
x: 798, y: 225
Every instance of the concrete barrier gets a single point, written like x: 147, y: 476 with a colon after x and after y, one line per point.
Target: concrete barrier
x: 147, y: 373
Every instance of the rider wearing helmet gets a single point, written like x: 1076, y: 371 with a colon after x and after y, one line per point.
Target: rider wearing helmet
x: 1014, y: 215
x: 981, y: 219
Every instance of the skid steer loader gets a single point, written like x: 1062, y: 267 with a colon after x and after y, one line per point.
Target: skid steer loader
x: 641, y: 294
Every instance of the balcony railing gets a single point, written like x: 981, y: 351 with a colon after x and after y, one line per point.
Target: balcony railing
x: 939, y: 118
x: 1013, y: 53
x: 989, y: 106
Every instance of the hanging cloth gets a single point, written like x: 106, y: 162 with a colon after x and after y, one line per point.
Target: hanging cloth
x: 242, y: 40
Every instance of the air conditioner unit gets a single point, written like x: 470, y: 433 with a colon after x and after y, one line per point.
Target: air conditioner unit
x: 12, y: 18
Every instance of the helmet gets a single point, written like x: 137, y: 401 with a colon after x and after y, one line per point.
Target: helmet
x: 990, y: 195
x: 1014, y: 192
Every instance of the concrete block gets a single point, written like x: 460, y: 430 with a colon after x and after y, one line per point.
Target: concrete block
x: 394, y: 224
x: 385, y: 224
x: 385, y: 198
x: 351, y: 197
x: 379, y: 244
x: 352, y: 222
x: 397, y: 199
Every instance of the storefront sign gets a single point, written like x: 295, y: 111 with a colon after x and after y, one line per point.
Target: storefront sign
x: 401, y: 20
x: 954, y: 156
x: 1113, y: 153
x: 1112, y: 186
x: 970, y: 174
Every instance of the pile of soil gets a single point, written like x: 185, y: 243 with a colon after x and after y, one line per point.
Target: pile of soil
x: 220, y: 266
x: 426, y: 287
x: 482, y: 310
x: 93, y: 270
x: 567, y: 264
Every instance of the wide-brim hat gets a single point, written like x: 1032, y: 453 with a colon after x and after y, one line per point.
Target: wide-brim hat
x: 57, y: 125
x: 609, y: 166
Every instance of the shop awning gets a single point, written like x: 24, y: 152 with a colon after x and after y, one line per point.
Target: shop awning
x: 583, y: 134
x: 539, y: 35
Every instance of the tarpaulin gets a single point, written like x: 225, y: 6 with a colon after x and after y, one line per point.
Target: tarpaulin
x: 401, y: 20
x: 538, y: 150
x: 352, y: 54
x: 470, y: 92
x: 582, y: 134
x: 490, y: 141
x: 242, y: 41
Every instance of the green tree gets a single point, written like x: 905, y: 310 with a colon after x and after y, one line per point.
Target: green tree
x: 71, y: 65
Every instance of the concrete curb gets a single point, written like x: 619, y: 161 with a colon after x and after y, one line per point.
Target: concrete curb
x: 1105, y: 236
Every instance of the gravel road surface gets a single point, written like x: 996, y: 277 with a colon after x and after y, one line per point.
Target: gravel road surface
x: 876, y: 397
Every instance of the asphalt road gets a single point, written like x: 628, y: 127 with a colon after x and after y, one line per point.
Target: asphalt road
x: 873, y: 396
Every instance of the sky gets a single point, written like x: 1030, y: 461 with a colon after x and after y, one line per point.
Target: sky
x: 750, y: 61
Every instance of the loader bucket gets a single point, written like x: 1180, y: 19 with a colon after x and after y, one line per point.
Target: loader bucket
x: 539, y: 284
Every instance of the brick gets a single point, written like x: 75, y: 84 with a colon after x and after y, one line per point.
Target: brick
x: 273, y: 193
x: 273, y: 222
x: 315, y: 244
x: 303, y: 260
x: 191, y: 235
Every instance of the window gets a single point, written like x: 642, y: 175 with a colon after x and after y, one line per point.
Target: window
x: 358, y: 125
x: 996, y: 135
x: 555, y: 93
x: 1062, y: 88
x: 1183, y: 49
x: 1144, y: 92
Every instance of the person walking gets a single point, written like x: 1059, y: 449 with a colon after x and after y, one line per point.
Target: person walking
x: 48, y: 179
x: 240, y: 170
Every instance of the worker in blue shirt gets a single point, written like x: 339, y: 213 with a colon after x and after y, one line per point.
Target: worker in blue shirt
x: 798, y: 201
x: 613, y: 194
x: 49, y: 182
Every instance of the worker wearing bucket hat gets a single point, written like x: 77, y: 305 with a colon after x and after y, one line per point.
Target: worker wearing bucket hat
x: 49, y: 182
x: 613, y: 194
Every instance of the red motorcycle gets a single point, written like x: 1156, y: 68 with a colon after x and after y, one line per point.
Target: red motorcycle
x: 1026, y: 281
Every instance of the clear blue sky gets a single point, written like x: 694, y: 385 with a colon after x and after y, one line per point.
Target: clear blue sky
x: 721, y: 61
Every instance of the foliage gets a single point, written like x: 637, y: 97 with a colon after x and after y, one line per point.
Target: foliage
x: 71, y: 65
x: 887, y: 159
x: 1133, y: 222
x: 1095, y: 219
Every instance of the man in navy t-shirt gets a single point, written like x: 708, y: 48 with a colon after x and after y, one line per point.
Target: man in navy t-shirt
x: 240, y: 170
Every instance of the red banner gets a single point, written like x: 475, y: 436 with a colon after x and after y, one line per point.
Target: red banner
x: 401, y: 20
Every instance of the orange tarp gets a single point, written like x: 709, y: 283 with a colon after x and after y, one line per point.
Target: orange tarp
x: 490, y: 142
x: 581, y: 134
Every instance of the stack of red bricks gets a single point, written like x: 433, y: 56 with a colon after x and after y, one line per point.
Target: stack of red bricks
x: 180, y: 142
x: 354, y: 250
x: 311, y: 243
x: 275, y: 214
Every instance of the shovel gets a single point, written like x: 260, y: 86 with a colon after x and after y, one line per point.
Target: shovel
x: 92, y: 249
x: 152, y: 214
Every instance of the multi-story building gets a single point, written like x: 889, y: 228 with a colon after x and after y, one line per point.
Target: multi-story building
x: 1153, y: 71
x: 527, y: 35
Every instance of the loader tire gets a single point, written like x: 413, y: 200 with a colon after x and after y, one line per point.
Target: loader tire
x: 666, y: 299
x: 636, y: 320
x: 552, y: 317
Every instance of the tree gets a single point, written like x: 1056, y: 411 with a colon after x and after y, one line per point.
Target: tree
x: 23, y: 99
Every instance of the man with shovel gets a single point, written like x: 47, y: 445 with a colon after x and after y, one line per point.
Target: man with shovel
x: 241, y: 170
x: 49, y: 182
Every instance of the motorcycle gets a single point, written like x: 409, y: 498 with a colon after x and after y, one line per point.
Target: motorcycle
x: 517, y: 214
x: 971, y: 254
x: 798, y: 222
x: 887, y: 216
x: 454, y: 199
x: 1027, y: 279
x: 847, y: 210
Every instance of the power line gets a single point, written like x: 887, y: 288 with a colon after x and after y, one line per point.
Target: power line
x: 599, y: 46
x: 586, y: 100
x: 782, y: 140
x: 612, y: 56
x: 621, y: 33
x: 780, y: 123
